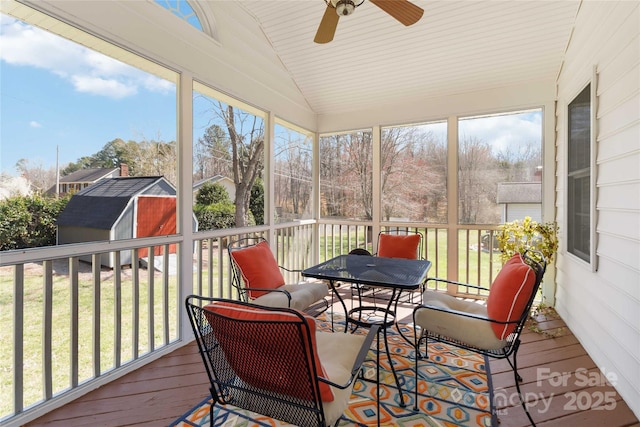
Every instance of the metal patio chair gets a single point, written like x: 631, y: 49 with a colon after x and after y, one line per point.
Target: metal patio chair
x: 396, y: 243
x: 493, y: 329
x: 258, y: 279
x: 274, y: 362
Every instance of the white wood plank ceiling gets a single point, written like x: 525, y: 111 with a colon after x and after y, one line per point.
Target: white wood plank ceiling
x: 457, y: 47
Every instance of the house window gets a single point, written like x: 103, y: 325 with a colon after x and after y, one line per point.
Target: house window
x: 579, y: 175
x: 183, y: 10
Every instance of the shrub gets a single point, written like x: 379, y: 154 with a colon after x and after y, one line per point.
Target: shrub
x: 211, y: 193
x: 29, y: 221
x: 215, y: 216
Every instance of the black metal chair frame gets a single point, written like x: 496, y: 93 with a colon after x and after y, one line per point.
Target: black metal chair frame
x: 512, y: 341
x: 291, y: 342
x: 243, y: 291
x: 360, y: 289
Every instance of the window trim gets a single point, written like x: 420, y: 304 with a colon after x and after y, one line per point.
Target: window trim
x: 593, y: 220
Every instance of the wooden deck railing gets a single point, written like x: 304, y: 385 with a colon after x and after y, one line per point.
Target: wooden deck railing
x: 69, y: 325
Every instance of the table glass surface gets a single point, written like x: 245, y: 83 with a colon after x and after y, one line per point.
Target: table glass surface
x: 379, y: 271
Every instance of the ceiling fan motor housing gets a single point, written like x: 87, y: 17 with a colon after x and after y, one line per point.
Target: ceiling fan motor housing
x: 344, y: 7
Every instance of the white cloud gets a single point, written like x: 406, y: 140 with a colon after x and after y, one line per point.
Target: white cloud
x: 105, y: 87
x: 505, y: 131
x: 87, y: 70
x: 34, y: 124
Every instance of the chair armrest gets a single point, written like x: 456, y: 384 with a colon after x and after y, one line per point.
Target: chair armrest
x: 453, y: 282
x: 291, y: 270
x: 463, y: 313
x: 357, y: 364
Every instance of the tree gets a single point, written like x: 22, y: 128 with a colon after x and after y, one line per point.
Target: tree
x: 360, y: 151
x: 13, y: 186
x: 292, y: 173
x: 84, y: 162
x: 212, y: 154
x: 144, y: 158
x: 331, y: 163
x: 478, y: 178
x: 156, y: 158
x: 40, y: 178
x: 346, y: 174
x: 212, y: 192
x: 520, y: 164
x: 256, y: 206
x: 246, y: 136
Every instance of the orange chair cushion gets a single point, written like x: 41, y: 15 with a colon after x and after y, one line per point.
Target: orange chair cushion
x: 281, y: 377
x: 509, y: 294
x: 398, y: 246
x: 259, y: 268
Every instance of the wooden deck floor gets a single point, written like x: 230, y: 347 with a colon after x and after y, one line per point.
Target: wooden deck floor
x: 162, y: 391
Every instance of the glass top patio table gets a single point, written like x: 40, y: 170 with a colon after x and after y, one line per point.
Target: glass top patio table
x: 397, y: 273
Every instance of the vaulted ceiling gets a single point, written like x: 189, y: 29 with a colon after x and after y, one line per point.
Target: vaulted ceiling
x: 457, y: 47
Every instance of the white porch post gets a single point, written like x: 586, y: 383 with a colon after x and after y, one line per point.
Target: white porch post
x: 269, y: 181
x: 185, y: 198
x: 376, y: 214
x: 549, y: 192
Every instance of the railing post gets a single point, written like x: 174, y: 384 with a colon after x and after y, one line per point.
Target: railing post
x: 18, y: 342
x: 47, y: 328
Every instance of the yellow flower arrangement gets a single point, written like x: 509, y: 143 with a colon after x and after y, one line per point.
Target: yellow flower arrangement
x: 518, y: 236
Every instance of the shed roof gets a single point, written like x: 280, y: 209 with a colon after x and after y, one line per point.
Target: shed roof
x: 100, y: 205
x: 519, y: 192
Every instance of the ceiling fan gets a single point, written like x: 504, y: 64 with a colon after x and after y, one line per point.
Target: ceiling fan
x: 402, y: 10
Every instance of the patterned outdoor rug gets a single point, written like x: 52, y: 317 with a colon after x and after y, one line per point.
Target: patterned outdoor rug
x: 454, y: 390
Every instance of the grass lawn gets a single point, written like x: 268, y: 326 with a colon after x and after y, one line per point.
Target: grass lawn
x: 33, y: 341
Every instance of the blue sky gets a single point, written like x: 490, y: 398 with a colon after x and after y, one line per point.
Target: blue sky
x: 55, y: 93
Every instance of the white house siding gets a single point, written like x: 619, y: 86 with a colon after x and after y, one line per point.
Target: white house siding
x: 602, y: 307
x: 518, y: 211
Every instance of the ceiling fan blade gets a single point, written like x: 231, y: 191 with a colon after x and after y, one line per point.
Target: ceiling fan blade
x: 328, y: 25
x: 403, y: 10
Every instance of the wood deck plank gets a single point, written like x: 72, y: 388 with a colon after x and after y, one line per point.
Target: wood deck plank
x: 162, y: 391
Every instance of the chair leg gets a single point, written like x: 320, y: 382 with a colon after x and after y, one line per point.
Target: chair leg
x: 515, y: 371
x: 518, y: 380
x: 378, y: 375
x: 213, y: 403
x: 415, y: 376
x: 418, y: 357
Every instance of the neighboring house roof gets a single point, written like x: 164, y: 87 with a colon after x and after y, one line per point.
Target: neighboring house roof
x: 519, y: 192
x: 87, y: 175
x: 212, y: 179
x: 101, y: 204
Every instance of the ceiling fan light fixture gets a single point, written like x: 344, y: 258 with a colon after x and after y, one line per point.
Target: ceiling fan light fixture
x: 345, y: 7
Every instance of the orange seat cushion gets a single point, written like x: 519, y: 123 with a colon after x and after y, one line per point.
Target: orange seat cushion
x: 398, y: 246
x: 258, y: 267
x: 509, y: 294
x: 254, y: 344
